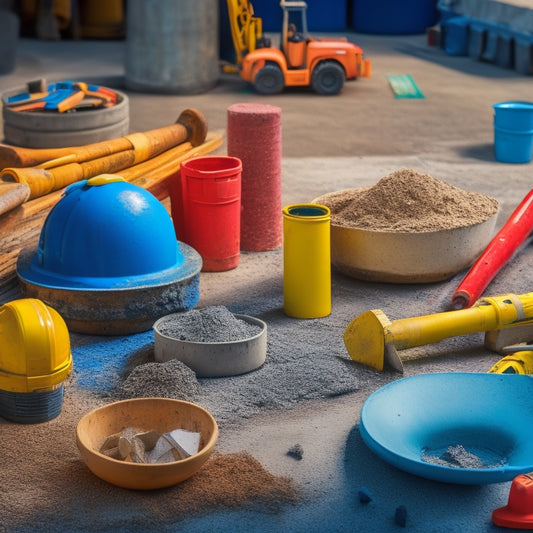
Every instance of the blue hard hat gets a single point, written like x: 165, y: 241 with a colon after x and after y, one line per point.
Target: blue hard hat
x: 106, y: 233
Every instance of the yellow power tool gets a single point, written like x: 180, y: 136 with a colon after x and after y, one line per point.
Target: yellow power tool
x: 519, y: 360
x: 372, y: 339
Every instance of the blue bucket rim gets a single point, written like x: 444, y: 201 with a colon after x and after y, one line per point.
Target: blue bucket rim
x: 512, y: 105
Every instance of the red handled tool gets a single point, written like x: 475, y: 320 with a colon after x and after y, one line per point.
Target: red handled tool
x: 496, y: 254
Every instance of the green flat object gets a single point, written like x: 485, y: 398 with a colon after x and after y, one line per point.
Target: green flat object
x: 403, y: 86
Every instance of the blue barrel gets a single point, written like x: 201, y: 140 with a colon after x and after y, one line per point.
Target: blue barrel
x: 523, y: 53
x: 322, y: 15
x: 456, y: 36
x: 391, y: 17
x: 513, y: 131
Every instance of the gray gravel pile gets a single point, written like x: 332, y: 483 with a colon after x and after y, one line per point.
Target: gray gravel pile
x: 210, y: 324
x: 171, y: 379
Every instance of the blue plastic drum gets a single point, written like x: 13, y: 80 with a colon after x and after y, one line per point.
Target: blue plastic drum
x: 515, y: 116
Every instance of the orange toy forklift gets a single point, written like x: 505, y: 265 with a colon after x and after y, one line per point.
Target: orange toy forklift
x: 320, y: 62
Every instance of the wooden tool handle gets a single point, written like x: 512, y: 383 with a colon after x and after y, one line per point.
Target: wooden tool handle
x: 142, y: 146
x: 18, y: 157
x: 41, y: 181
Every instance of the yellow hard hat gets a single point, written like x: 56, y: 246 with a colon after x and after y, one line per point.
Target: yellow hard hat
x: 34, y: 347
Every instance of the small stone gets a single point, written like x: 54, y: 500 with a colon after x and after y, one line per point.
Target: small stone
x: 296, y: 451
x: 162, y: 452
x: 148, y: 438
x: 364, y: 495
x: 400, y: 516
x: 110, y: 443
x: 125, y: 442
x: 111, y: 452
x: 186, y: 443
x: 131, y: 446
x: 138, y: 453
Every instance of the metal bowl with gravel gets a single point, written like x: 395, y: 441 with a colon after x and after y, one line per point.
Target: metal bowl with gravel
x: 212, y: 341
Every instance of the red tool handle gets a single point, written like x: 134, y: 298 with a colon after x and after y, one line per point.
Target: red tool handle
x: 513, y: 233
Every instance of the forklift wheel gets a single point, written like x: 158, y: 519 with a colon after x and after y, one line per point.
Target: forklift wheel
x: 327, y: 78
x: 269, y: 80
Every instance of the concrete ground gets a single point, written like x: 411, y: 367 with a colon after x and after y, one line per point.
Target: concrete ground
x: 329, y: 144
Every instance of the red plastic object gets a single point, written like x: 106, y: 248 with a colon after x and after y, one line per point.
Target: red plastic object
x: 518, y: 513
x: 206, y: 209
x: 496, y: 254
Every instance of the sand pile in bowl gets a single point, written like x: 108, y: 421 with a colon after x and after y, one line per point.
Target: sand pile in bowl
x: 409, y: 201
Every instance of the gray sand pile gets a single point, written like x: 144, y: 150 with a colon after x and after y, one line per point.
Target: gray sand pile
x: 172, y: 379
x: 210, y: 324
x: 458, y: 456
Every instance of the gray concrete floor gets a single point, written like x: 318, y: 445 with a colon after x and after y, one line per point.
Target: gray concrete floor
x: 332, y: 143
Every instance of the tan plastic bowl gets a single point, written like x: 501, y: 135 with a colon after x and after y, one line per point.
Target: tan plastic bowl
x: 410, y: 257
x: 159, y: 414
x: 213, y: 359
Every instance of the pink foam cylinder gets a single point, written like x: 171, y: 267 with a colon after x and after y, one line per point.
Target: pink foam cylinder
x: 254, y: 136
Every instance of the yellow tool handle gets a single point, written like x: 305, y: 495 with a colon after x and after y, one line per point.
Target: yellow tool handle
x: 487, y: 314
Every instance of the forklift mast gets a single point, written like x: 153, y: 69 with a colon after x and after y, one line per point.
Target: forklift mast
x: 246, y: 29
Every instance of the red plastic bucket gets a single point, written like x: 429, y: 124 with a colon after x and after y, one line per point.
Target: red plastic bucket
x: 206, y: 209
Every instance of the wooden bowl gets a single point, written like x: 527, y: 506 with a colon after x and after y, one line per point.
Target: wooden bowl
x: 159, y: 414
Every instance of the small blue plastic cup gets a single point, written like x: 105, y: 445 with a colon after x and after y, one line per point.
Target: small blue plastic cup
x: 513, y: 146
x: 516, y: 116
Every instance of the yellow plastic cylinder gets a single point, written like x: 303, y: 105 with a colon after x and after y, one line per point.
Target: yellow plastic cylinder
x: 306, y: 261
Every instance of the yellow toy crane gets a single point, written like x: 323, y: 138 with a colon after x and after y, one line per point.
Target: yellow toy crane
x: 322, y: 63
x: 246, y: 29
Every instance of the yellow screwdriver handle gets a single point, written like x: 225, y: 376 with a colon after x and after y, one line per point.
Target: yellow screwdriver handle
x: 487, y: 314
